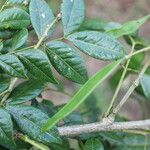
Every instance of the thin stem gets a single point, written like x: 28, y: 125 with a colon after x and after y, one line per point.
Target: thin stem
x: 32, y: 142
x: 131, y: 89
x: 9, y: 90
x: 120, y: 83
x: 3, y: 93
x: 19, y: 50
x: 138, y: 52
x: 47, y: 30
x: 58, y: 39
x: 130, y: 69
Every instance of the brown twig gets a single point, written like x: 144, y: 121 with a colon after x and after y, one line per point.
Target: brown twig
x: 75, y: 130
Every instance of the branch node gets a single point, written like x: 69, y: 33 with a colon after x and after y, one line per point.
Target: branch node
x: 108, y: 120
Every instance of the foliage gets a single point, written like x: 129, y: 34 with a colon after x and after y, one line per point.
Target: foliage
x: 27, y: 120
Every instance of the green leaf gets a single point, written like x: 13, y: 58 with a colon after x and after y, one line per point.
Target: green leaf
x: 26, y: 91
x: 21, y: 145
x: 30, y: 121
x: 67, y: 61
x: 72, y: 15
x: 47, y: 107
x: 136, y: 61
x: 114, y: 138
x: 97, y: 45
x: 82, y: 94
x: 112, y: 25
x: 6, y: 46
x: 6, y: 34
x: 4, y: 83
x: 18, y: 40
x: 37, y: 64
x: 125, y: 141
x: 64, y: 146
x: 134, y: 142
x: 128, y: 28
x: 93, y: 24
x: 6, y: 129
x: 14, y: 18
x: 145, y: 83
x: 1, y: 46
x: 41, y: 17
x: 93, y: 144
x: 92, y: 106
x: 74, y: 118
x: 10, y: 64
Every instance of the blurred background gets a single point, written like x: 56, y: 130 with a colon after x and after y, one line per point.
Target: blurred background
x: 112, y: 11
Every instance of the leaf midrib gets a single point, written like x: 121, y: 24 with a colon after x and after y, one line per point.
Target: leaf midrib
x: 11, y: 68
x: 97, y: 46
x: 40, y: 22
x: 68, y: 22
x: 80, y: 76
x: 46, y: 76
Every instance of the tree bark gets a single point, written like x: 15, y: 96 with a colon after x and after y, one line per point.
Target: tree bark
x: 100, y: 126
